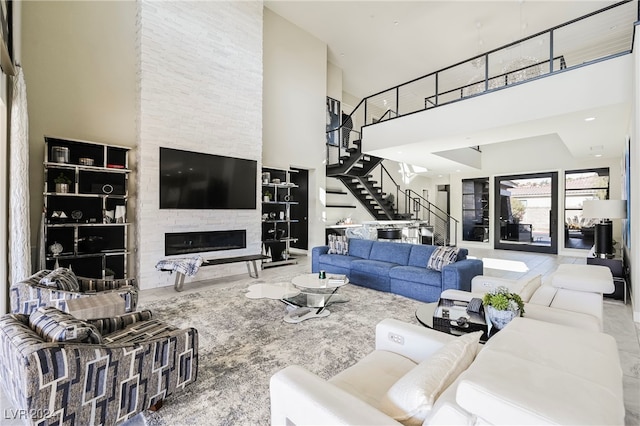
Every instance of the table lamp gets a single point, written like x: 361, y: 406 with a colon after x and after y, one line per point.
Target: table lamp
x: 605, y: 210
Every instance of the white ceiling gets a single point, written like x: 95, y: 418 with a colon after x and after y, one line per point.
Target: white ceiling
x: 380, y: 44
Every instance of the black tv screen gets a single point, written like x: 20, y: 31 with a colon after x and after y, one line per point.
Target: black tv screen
x: 192, y: 180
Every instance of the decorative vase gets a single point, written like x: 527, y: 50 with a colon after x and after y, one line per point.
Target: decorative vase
x: 62, y: 188
x: 500, y: 319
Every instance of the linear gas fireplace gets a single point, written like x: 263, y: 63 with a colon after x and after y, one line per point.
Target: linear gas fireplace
x: 196, y: 242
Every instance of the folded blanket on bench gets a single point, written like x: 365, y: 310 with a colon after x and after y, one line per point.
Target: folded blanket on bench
x: 188, y: 266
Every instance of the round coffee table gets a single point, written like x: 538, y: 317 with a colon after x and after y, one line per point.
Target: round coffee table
x: 319, y: 293
x: 424, y: 314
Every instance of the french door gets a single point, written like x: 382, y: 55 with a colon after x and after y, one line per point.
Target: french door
x: 526, y: 212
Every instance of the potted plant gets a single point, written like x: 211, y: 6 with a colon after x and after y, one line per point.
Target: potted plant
x: 109, y: 274
x: 62, y: 183
x: 502, y: 306
x: 267, y: 196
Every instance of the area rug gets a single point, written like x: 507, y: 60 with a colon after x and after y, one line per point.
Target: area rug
x: 243, y: 342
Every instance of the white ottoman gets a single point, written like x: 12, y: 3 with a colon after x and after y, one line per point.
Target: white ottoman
x: 580, y: 288
x: 592, y: 278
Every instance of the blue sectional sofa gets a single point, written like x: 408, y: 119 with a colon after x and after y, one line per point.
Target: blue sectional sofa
x: 399, y: 268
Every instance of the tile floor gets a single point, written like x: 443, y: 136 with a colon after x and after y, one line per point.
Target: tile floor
x: 498, y: 263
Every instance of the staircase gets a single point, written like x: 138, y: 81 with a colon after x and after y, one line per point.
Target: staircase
x: 369, y: 181
x: 354, y: 171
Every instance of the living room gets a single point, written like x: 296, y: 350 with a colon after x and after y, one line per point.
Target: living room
x: 255, y: 88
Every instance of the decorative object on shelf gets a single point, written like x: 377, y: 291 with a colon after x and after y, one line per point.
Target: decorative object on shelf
x: 62, y: 184
x: 76, y: 215
x: 120, y: 214
x: 275, y: 181
x: 85, y: 161
x: 281, y: 215
x: 107, y: 189
x: 115, y: 166
x: 59, y: 216
x: 56, y: 248
x: 108, y: 216
x: 272, y: 215
x: 266, y: 178
x: 502, y: 306
x: 287, y: 198
x: 109, y: 274
x: 267, y: 196
x: 60, y: 154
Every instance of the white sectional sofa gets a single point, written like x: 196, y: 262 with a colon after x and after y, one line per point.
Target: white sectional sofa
x: 531, y: 372
x: 572, y: 295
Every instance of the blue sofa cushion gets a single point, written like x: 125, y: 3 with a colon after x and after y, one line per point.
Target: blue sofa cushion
x: 373, y: 267
x: 416, y: 274
x: 397, y: 253
x: 360, y: 248
x: 420, y: 255
x: 441, y: 257
x: 339, y: 260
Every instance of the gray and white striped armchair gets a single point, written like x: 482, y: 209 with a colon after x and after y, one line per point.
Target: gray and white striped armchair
x: 62, y: 370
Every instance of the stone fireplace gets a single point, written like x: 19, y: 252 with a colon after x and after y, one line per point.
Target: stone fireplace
x: 196, y: 108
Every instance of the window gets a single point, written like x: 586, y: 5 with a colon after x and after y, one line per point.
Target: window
x: 475, y: 209
x: 581, y: 185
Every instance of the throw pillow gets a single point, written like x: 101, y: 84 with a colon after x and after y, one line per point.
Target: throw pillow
x: 53, y: 325
x: 338, y: 244
x: 62, y: 279
x: 441, y: 257
x: 411, y: 398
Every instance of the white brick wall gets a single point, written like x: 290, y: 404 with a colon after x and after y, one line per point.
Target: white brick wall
x: 200, y: 89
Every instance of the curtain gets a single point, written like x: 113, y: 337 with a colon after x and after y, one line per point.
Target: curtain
x: 19, y: 231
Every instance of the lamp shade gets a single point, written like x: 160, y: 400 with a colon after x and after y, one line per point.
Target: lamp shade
x: 604, y: 209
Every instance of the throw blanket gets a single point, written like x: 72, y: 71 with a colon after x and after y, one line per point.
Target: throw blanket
x: 188, y: 266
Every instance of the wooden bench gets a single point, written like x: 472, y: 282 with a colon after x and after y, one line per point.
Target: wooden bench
x: 249, y: 260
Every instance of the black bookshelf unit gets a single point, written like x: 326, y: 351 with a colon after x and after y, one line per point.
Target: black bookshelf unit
x: 85, y: 207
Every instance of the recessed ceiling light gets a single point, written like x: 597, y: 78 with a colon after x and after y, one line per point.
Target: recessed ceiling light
x: 598, y: 155
x: 395, y: 22
x: 439, y: 175
x: 457, y: 170
x: 589, y: 119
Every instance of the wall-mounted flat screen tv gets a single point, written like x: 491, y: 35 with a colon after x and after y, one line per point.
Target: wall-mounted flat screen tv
x: 193, y: 180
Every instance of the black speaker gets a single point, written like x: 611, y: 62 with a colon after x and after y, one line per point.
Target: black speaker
x: 604, y: 239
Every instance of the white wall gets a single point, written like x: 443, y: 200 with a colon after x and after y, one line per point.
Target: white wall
x: 294, y: 112
x: 200, y: 88
x: 80, y: 71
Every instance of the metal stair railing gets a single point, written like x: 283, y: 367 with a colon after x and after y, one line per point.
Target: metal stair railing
x: 445, y: 225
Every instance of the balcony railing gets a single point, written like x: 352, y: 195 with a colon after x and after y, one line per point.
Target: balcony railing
x: 600, y: 35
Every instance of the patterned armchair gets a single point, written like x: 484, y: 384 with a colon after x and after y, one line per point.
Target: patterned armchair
x: 50, y: 371
x: 28, y: 295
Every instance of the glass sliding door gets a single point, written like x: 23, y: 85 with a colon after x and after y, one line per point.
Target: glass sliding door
x: 526, y: 209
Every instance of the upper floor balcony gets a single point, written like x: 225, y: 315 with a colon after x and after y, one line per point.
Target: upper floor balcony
x: 579, y: 68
